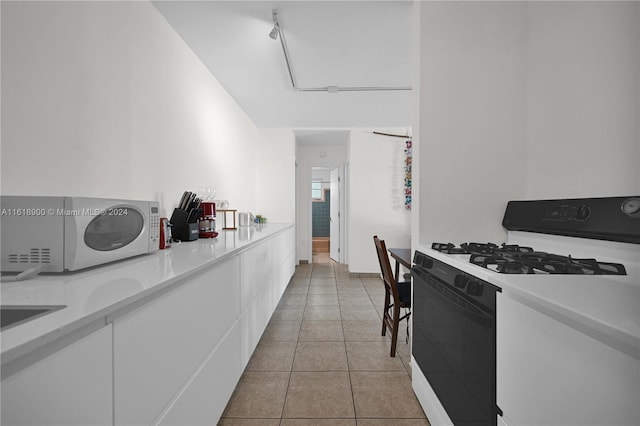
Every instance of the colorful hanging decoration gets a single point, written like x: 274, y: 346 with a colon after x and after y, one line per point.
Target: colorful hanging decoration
x: 407, y: 175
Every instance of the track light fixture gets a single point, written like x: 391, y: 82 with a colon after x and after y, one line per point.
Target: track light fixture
x: 274, y: 33
x: 277, y: 30
x: 276, y: 26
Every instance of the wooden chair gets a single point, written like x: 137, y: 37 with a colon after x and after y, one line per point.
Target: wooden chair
x: 396, y: 296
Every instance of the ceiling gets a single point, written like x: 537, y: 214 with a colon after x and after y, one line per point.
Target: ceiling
x: 322, y: 137
x: 330, y: 43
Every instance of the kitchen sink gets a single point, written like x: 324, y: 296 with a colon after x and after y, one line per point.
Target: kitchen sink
x: 12, y: 315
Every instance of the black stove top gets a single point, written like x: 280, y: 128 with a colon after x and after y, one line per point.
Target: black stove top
x: 515, y: 259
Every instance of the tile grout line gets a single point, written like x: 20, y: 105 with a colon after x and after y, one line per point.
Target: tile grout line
x: 340, y: 304
x: 286, y: 393
x: 346, y: 354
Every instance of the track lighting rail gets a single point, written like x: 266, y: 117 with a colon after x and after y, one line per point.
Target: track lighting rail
x: 277, y: 32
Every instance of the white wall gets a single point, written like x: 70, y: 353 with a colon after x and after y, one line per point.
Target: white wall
x: 416, y: 85
x: 376, y: 204
x: 471, y: 117
x: 105, y: 99
x: 66, y: 124
x: 276, y: 171
x: 515, y: 97
x: 322, y: 175
x: 583, y: 99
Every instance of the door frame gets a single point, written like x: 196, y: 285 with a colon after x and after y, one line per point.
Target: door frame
x: 343, y: 216
x: 335, y: 192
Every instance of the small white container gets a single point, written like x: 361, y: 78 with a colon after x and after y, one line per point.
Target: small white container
x: 245, y: 218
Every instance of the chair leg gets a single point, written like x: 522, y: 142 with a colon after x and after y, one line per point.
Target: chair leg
x: 394, y: 332
x: 384, y: 312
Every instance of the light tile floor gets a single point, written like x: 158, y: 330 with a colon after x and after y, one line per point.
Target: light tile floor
x: 322, y: 359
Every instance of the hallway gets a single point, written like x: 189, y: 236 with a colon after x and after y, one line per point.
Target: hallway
x: 322, y: 360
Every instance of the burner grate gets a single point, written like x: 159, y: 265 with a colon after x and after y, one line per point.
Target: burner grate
x: 448, y: 248
x: 515, y: 259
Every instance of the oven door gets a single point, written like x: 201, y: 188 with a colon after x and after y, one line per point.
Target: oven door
x: 454, y: 342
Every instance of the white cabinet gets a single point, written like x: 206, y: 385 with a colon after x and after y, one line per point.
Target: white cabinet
x: 256, y: 278
x: 72, y: 386
x: 551, y: 374
x: 173, y: 358
x: 256, y: 271
x: 178, y: 358
x: 204, y: 400
x: 265, y: 272
x: 284, y: 262
x: 161, y: 345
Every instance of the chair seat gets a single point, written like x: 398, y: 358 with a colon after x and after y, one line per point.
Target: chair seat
x: 404, y: 291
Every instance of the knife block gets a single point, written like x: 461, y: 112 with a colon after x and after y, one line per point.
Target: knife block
x: 185, y: 224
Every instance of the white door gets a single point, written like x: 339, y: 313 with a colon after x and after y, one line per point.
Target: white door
x: 334, y: 216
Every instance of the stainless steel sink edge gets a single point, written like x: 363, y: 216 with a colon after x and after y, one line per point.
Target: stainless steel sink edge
x: 14, y: 315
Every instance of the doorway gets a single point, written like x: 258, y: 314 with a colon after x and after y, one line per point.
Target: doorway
x: 321, y: 149
x: 327, y: 227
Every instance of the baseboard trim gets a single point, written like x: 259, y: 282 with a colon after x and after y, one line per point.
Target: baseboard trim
x: 364, y: 275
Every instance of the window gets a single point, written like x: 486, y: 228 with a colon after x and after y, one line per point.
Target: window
x: 316, y: 191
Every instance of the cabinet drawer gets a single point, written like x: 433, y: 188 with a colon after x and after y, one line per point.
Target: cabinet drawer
x: 283, y: 244
x: 71, y: 387
x: 257, y: 271
x: 159, y: 346
x: 204, y: 400
x: 253, y: 321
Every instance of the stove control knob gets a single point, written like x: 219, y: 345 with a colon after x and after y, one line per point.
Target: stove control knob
x: 583, y: 212
x: 460, y: 281
x: 475, y: 288
x: 631, y: 207
x: 425, y: 262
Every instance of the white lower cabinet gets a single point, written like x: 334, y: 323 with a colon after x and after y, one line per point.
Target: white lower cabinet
x: 284, y: 264
x: 204, y: 399
x: 256, y: 271
x: 160, y: 346
x: 551, y: 374
x: 173, y: 360
x: 72, y: 386
x: 178, y: 358
x: 265, y: 272
x: 253, y: 321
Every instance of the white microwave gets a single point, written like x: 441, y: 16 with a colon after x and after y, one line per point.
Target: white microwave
x: 71, y: 233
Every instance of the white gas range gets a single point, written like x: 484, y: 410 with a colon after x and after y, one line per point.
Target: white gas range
x: 535, y: 330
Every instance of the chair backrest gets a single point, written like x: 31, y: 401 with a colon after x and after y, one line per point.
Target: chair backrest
x: 385, y: 267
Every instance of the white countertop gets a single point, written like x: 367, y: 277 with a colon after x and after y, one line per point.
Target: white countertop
x: 605, y: 307
x: 94, y: 294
